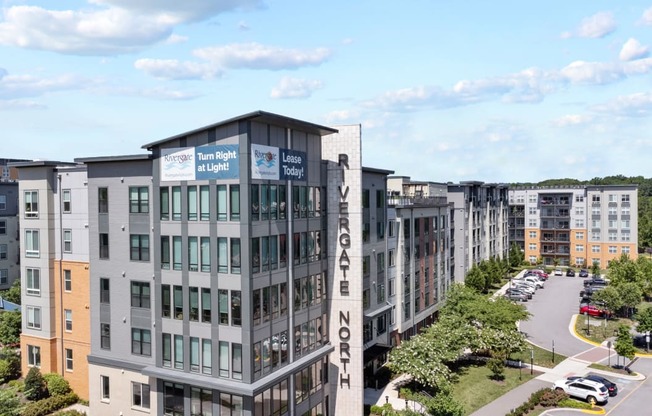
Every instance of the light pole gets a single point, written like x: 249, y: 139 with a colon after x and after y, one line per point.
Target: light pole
x: 588, y: 330
x: 531, y: 361
x: 647, y: 341
x: 609, y: 356
x: 520, y: 370
x: 553, y: 351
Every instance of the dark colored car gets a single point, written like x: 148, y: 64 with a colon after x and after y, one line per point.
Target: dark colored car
x: 592, y: 310
x: 610, y: 385
x: 570, y: 273
x: 595, y: 281
x: 590, y: 290
x: 584, y: 273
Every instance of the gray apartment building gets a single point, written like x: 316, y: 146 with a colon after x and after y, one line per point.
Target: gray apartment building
x: 227, y: 271
x: 9, y: 235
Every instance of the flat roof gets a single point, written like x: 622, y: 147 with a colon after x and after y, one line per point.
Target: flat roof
x: 376, y: 170
x: 122, y: 158
x: 39, y: 163
x: 259, y: 115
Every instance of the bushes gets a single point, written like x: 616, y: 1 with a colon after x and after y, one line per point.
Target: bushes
x: 544, y: 398
x: 56, y: 384
x: 49, y: 405
x: 35, y: 388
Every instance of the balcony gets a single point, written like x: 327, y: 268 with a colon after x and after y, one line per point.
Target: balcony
x: 422, y: 201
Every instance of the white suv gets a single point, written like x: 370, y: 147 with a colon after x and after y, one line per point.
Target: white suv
x: 589, y: 390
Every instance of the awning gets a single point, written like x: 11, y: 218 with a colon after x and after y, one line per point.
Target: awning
x: 379, y: 311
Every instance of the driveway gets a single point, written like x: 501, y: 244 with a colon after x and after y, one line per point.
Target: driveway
x: 552, y: 309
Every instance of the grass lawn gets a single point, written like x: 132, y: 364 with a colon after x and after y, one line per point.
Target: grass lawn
x: 599, y: 333
x: 474, y: 387
x: 542, y: 357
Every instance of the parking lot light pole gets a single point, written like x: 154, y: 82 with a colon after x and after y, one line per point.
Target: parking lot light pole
x: 531, y: 361
x: 553, y: 351
x: 588, y: 328
x: 520, y: 370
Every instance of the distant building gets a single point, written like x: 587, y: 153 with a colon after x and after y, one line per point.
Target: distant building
x: 481, y: 219
x: 6, y: 306
x: 55, y: 270
x: 574, y: 225
x: 9, y: 235
x: 7, y: 172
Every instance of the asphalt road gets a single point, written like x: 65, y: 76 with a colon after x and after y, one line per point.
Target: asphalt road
x: 552, y: 309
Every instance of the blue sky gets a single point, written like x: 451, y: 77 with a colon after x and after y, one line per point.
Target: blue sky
x: 499, y: 91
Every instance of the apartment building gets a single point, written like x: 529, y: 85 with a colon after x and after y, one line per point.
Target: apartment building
x: 480, y: 215
x: 227, y: 271
x: 9, y: 235
x: 54, y: 266
x: 423, y: 257
x: 574, y: 225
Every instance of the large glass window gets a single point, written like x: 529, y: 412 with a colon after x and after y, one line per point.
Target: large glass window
x: 207, y: 354
x: 140, y: 295
x: 221, y: 203
x: 224, y: 359
x: 139, y: 247
x: 140, y: 395
x: 67, y: 203
x: 205, y: 246
x: 204, y: 203
x: 173, y: 399
x: 194, y: 354
x: 178, y: 352
x: 165, y: 203
x: 32, y: 243
x: 255, y: 203
x: 235, y: 255
x: 103, y: 200
x: 176, y: 253
x: 201, y: 402
x: 192, y: 203
x: 31, y: 204
x: 141, y: 341
x: 193, y: 254
x: 33, y: 280
x: 236, y: 361
x: 176, y: 203
x: 235, y: 202
x: 138, y: 199
x: 167, y: 350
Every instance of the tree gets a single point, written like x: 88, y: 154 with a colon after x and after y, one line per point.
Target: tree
x: 644, y: 319
x: 10, y: 327
x: 630, y: 294
x: 624, y: 270
x: 516, y: 256
x: 609, y: 298
x: 624, y: 343
x: 35, y: 388
x: 475, y: 279
x: 56, y: 384
x: 595, y: 269
x: 9, y: 403
x: 9, y: 365
x: 13, y: 293
x: 443, y: 404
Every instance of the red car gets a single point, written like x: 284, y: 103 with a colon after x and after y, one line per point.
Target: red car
x: 593, y: 311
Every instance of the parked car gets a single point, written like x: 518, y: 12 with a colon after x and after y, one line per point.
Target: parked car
x: 610, y: 385
x: 570, y: 273
x: 595, y: 282
x: 593, y: 310
x: 529, y: 290
x: 525, y: 282
x: 589, y: 390
x: 535, y: 280
x: 590, y: 290
x: 540, y: 272
x: 584, y: 273
x: 516, y: 295
x: 558, y: 272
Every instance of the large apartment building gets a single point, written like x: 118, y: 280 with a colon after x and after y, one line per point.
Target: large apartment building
x: 574, y: 225
x: 480, y: 215
x: 9, y: 235
x: 54, y: 267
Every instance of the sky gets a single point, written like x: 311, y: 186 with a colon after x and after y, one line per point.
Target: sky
x: 502, y: 91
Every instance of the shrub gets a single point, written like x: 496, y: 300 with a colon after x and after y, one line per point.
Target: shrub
x: 49, y: 405
x: 551, y: 398
x: 9, y: 369
x: 574, y: 404
x: 56, y: 384
x: 35, y: 388
x: 17, y: 385
x: 497, y: 368
x: 71, y: 413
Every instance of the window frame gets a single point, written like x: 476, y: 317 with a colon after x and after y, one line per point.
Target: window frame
x: 67, y: 280
x: 31, y: 203
x: 68, y: 319
x: 69, y: 359
x: 67, y: 241
x: 141, y: 298
x: 31, y: 321
x: 142, y: 392
x: 139, y: 246
x: 140, y: 346
x: 32, y: 236
x: 66, y: 198
x: 138, y: 200
x: 34, y: 356
x: 105, y: 388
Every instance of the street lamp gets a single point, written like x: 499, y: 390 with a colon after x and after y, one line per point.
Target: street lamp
x: 588, y: 330
x: 647, y: 341
x: 553, y: 351
x: 609, y: 356
x: 531, y: 361
x: 520, y: 370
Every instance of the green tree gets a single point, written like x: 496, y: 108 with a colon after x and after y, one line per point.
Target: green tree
x: 9, y: 403
x: 10, y: 327
x: 443, y: 404
x: 624, y: 343
x: 476, y: 279
x: 609, y: 298
x: 595, y: 269
x: 516, y: 256
x: 644, y: 319
x: 9, y: 365
x: 624, y: 270
x: 13, y: 293
x: 35, y: 388
x: 631, y: 295
x: 56, y: 384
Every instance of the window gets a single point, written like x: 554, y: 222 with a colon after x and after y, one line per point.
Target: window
x: 165, y: 252
x: 178, y: 302
x: 167, y: 350
x: 31, y: 204
x: 104, y: 387
x: 176, y: 253
x: 192, y: 203
x: 223, y: 305
x: 3, y: 202
x: 595, y: 249
x: 176, y: 203
x: 612, y: 250
x: 140, y: 295
x: 201, y: 402
x: 3, y: 227
x: 141, y: 341
x: 140, y: 395
x: 105, y: 336
x: 165, y: 203
x: 193, y: 295
x: 236, y: 361
x: 104, y: 246
x: 579, y: 223
x: 68, y: 359
x: 33, y: 280
x: 532, y: 246
x: 579, y: 248
x: 207, y: 354
x: 595, y: 198
x: 66, y: 201
x: 624, y: 250
x: 224, y: 359
x: 67, y: 280
x: 579, y: 235
x: 204, y: 203
x: 33, y: 356
x: 221, y: 203
x: 105, y: 296
x: 193, y: 254
x: 178, y: 352
x: 173, y: 400
x: 533, y: 234
x: 194, y: 354
x: 236, y: 313
x: 4, y: 276
x: 235, y: 202
x: 612, y: 198
x: 138, y: 199
x: 32, y: 243
x: 33, y: 317
x: 624, y: 198
x: 235, y: 255
x: 67, y: 241
x: 68, y: 317
x: 206, y: 310
x: 390, y: 258
x: 103, y: 200
x: 624, y: 224
x: 139, y: 247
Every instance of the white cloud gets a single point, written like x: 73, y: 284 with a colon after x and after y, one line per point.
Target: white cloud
x: 175, y: 69
x: 20, y: 105
x: 256, y: 56
x: 572, y: 120
x: 632, y: 105
x: 646, y: 19
x: 174, y: 39
x: 22, y: 86
x: 633, y: 49
x: 295, y: 88
x: 580, y: 72
x: 597, y: 26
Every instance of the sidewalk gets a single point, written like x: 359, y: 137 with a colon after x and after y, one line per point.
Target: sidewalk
x: 389, y: 394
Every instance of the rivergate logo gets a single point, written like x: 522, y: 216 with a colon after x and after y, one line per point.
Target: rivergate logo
x: 200, y: 163
x: 178, y: 164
